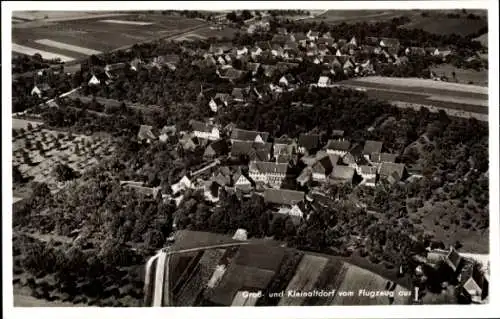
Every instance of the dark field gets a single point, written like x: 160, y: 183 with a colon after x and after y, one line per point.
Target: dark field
x: 102, y: 36
x: 445, y: 26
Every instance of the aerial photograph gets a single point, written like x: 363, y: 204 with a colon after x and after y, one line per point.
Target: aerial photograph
x: 195, y: 158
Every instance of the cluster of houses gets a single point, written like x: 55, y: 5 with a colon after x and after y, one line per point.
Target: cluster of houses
x: 471, y: 278
x: 255, y: 164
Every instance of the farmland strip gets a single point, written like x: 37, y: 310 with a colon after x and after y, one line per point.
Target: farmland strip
x: 65, y: 46
x: 126, y: 22
x: 46, y: 55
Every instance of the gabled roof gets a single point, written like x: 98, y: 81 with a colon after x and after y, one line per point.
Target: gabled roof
x: 341, y: 172
x: 169, y: 58
x: 338, y: 145
x: 324, y: 166
x: 323, y: 80
x: 368, y: 170
x: 299, y: 36
x: 283, y: 140
x: 372, y: 147
x: 283, y: 196
x: 279, y: 38
x: 246, y: 135
x: 285, y: 66
x: 145, y: 132
x: 313, y: 33
x: 389, y: 42
x: 268, y: 167
x: 288, y: 77
x: 291, y: 46
x: 338, y: 133
x: 387, y: 169
x: 309, y: 141
x: 233, y: 74
x: 218, y: 147
x: 453, y: 259
x: 383, y: 157
x: 201, y: 126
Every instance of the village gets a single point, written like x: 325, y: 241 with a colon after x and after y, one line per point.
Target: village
x: 297, y: 176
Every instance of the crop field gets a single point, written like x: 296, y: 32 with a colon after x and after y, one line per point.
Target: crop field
x: 307, y: 273
x: 330, y: 278
x: 260, y: 256
x: 462, y: 75
x: 46, y: 148
x: 237, y: 278
x: 356, y: 278
x: 353, y: 16
x: 197, y: 280
x: 445, y: 95
x: 76, y: 39
x: 446, y: 26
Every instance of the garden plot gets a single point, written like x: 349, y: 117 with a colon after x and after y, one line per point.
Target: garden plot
x: 36, y: 152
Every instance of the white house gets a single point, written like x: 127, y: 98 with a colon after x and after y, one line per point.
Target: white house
x: 268, y: 172
x: 183, y: 184
x: 213, y: 106
x: 94, y: 81
x: 324, y: 81
x: 312, y: 35
x: 353, y: 41
x: 242, y: 51
x: 241, y: 234
x: 256, y: 52
x: 205, y: 131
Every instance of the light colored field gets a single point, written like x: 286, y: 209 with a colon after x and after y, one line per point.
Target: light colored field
x: 46, y: 55
x: 483, y: 39
x: 16, y: 199
x: 424, y: 83
x: 69, y: 47
x: 305, y: 277
x: 357, y: 278
x: 20, y: 123
x: 127, y: 22
x: 29, y: 301
x: 462, y: 100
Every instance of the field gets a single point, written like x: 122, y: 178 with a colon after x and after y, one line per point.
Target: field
x: 76, y: 39
x: 483, y: 39
x: 186, y: 239
x: 261, y: 256
x: 456, y: 97
x: 462, y: 75
x: 51, y: 15
x: 307, y: 273
x: 439, y: 24
x: 353, y: 16
x: 46, y: 148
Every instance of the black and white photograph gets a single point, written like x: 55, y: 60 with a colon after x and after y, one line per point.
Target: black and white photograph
x: 250, y: 154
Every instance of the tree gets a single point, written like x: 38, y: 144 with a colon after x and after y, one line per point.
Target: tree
x: 64, y: 173
x: 17, y: 176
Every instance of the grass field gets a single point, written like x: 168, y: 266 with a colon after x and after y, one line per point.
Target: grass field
x: 352, y: 16
x: 462, y: 75
x: 439, y: 24
x: 76, y: 39
x: 307, y: 273
x: 186, y: 239
x: 260, y: 256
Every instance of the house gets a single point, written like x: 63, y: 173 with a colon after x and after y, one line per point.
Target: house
x: 305, y: 176
x: 430, y: 50
x: 474, y: 284
x: 389, y: 43
x: 252, y: 150
x: 281, y: 31
x: 392, y: 172
x: 216, y: 149
x: 269, y: 70
x: 241, y: 182
x: 239, y: 94
x: 241, y: 51
x: 283, y: 196
x: 329, y: 42
x: 312, y: 35
x: 145, y: 134
x: 188, y: 142
x: 263, y: 45
x: 339, y: 147
x: 379, y: 158
x: 415, y: 51
x: 342, y: 174
x: 113, y: 71
x: 183, y: 184
x: 268, y: 172
x: 323, y: 49
x: 308, y: 143
x: 368, y: 173
x: 324, y: 167
x: 252, y: 67
x: 240, y: 234
x: 300, y: 38
x: 285, y: 66
x: 287, y: 80
x: 255, y: 52
x: 246, y: 135
x: 231, y: 74
x: 139, y: 188
x: 94, y: 80
x: 296, y: 212
x: 347, y: 62
x: 284, y: 145
x: 279, y: 39
x: 371, y: 147
x: 324, y: 81
x: 40, y: 89
x: 205, y: 131
x: 442, y: 52
x: 353, y: 42
x: 135, y: 64
x: 166, y: 132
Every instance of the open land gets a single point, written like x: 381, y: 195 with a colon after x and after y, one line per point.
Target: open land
x: 76, y: 39
x: 464, y: 76
x: 445, y: 26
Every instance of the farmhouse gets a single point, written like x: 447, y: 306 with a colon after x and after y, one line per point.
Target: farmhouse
x: 216, y: 149
x: 146, y: 134
x: 283, y: 196
x: 392, y: 172
x: 371, y: 147
x: 204, y: 130
x: 246, y: 135
x: 342, y: 174
x: 324, y: 81
x: 339, y: 147
x: 268, y: 172
x: 323, y: 168
x: 40, y: 89
x: 308, y: 143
